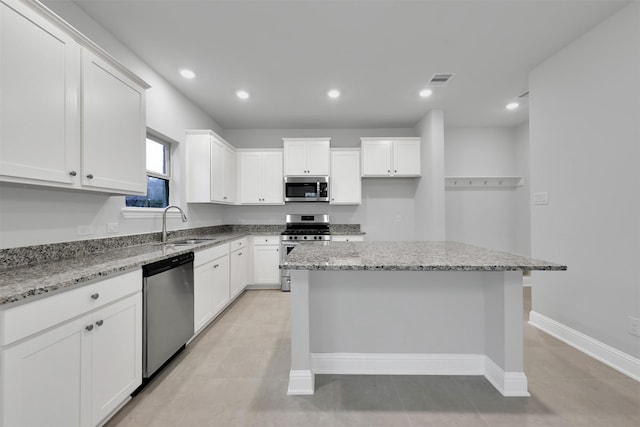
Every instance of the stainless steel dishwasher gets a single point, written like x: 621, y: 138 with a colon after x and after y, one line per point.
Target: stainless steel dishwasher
x: 167, y: 310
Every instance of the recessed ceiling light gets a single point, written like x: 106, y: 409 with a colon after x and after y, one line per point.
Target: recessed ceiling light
x: 187, y: 74
x: 333, y: 94
x: 512, y: 106
x: 425, y: 93
x: 242, y: 94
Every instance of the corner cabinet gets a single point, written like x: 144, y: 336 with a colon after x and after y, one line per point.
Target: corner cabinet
x: 345, y: 182
x: 78, y: 354
x: 72, y: 117
x: 390, y: 157
x: 306, y: 156
x: 210, y: 164
x: 260, y: 180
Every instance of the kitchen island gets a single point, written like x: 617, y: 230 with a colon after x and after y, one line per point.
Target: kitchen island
x: 414, y: 308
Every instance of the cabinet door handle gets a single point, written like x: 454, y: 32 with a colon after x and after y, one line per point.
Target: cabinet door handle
x: 388, y: 170
x: 89, y: 327
x: 239, y: 253
x: 95, y: 296
x: 73, y: 173
x: 395, y: 171
x: 99, y: 322
x: 225, y: 197
x: 90, y: 176
x: 216, y: 266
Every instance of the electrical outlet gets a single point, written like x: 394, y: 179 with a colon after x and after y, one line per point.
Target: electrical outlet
x: 112, y: 227
x: 633, y: 326
x: 85, y: 230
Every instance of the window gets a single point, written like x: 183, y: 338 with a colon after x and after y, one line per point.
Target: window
x: 158, y: 176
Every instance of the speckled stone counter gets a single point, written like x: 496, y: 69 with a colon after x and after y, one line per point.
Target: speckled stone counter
x: 408, y: 308
x: 28, y: 282
x: 409, y: 256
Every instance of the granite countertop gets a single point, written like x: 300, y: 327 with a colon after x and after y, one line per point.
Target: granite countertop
x: 28, y: 282
x: 409, y: 256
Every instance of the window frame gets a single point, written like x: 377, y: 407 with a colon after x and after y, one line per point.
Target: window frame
x: 153, y: 212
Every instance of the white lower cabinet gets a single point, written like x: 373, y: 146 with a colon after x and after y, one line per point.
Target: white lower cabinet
x: 266, y: 259
x: 76, y: 372
x: 211, y: 284
x: 239, y: 262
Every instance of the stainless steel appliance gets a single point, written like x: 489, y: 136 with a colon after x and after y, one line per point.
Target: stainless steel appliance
x: 301, y: 230
x: 167, y: 310
x: 306, y: 188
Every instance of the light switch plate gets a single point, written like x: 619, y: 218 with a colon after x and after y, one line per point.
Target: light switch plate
x: 541, y: 198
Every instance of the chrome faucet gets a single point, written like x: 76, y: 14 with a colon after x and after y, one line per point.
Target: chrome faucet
x: 164, y: 221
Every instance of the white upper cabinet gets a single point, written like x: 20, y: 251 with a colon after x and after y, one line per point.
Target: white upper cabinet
x: 345, y: 179
x: 39, y: 98
x: 260, y: 177
x: 395, y: 157
x: 71, y: 116
x: 113, y: 127
x: 306, y: 156
x: 210, y: 168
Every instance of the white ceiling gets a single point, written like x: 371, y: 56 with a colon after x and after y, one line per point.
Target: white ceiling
x: 287, y: 54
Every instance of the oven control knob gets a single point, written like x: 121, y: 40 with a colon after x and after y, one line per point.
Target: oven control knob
x: 304, y: 237
x: 295, y: 237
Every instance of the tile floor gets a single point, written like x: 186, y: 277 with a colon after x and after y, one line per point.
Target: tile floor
x: 235, y: 374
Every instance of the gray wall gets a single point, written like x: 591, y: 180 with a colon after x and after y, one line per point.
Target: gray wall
x: 488, y: 217
x: 585, y: 152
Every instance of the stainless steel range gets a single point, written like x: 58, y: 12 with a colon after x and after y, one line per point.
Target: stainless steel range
x: 302, y: 229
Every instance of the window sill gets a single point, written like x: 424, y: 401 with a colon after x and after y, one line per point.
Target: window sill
x: 148, y: 213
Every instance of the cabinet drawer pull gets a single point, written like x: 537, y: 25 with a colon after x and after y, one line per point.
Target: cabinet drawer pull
x: 95, y: 296
x: 99, y: 322
x: 216, y: 266
x: 239, y: 253
x: 90, y: 176
x: 73, y: 173
x: 89, y: 327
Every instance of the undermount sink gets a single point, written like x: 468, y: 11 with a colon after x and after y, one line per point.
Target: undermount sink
x: 187, y: 242
x: 192, y: 241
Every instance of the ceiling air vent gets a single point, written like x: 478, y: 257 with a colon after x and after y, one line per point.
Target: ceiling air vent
x: 439, y: 80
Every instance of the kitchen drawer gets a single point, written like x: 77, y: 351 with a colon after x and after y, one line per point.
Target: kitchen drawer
x: 266, y: 240
x: 238, y: 244
x: 28, y: 319
x: 347, y: 238
x: 210, y: 254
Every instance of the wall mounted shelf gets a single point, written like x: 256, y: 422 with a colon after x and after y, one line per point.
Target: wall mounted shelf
x: 509, y: 182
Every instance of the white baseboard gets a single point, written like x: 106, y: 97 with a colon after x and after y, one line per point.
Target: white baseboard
x: 397, y: 364
x: 511, y: 384
x: 606, y: 354
x: 257, y: 286
x: 301, y: 382
x: 507, y: 383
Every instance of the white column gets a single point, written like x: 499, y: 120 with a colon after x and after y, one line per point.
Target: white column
x: 301, y: 377
x: 430, y: 195
x: 504, y: 366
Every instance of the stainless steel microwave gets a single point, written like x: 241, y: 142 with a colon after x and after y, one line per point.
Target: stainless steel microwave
x: 306, y: 188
